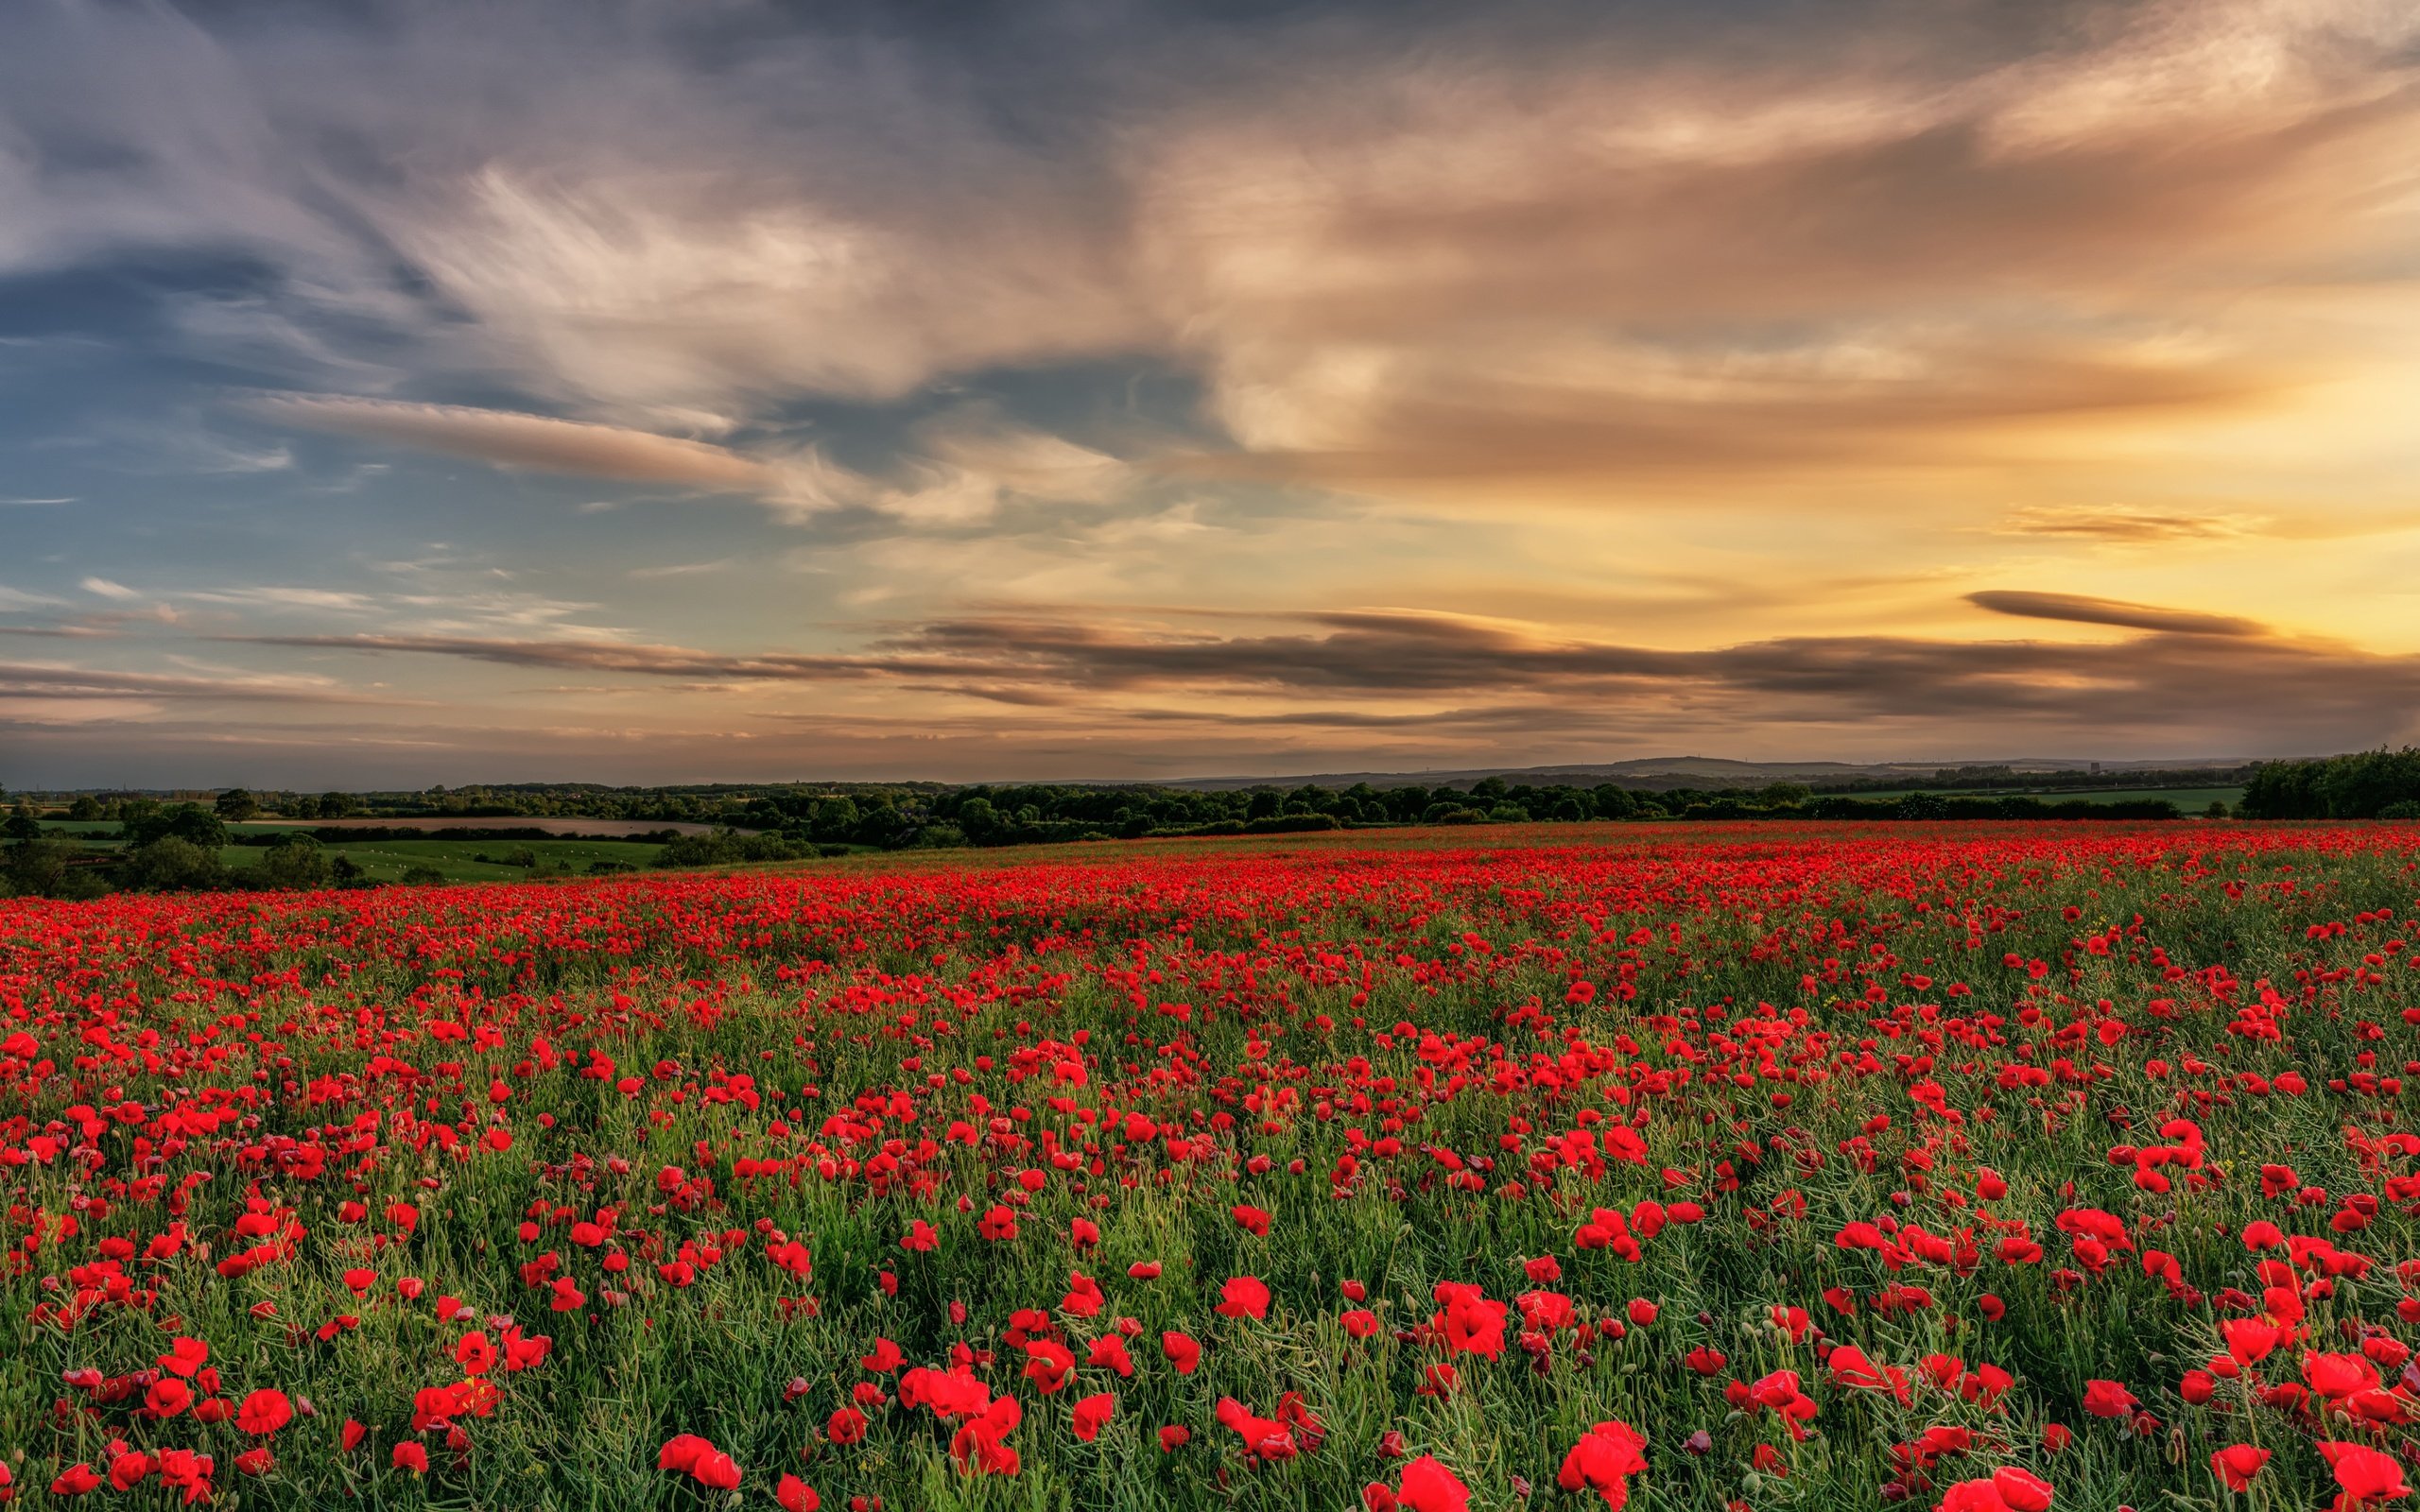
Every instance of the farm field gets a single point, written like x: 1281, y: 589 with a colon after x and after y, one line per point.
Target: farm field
x: 383, y: 860
x: 1984, y: 1167
x: 2187, y: 799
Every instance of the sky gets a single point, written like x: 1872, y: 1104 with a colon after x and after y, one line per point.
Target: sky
x: 426, y: 392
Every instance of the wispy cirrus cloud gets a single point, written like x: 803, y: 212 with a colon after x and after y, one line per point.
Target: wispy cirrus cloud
x: 2123, y: 525
x: 507, y: 438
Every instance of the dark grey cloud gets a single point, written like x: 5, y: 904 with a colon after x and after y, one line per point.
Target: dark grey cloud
x: 2184, y: 673
x: 2077, y: 609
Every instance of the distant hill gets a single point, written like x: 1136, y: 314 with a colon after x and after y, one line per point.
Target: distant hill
x: 1662, y: 773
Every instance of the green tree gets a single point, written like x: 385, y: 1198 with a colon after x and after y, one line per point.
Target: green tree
x: 236, y: 805
x: 978, y: 818
x: 187, y: 822
x: 171, y: 864
x: 85, y: 809
x: 37, y: 868
x: 834, y: 818
x: 298, y: 862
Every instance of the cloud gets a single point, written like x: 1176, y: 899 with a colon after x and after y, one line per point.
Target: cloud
x: 107, y: 589
x: 506, y: 439
x: 52, y: 681
x: 2078, y: 609
x: 965, y: 466
x: 592, y: 657
x: 57, y: 633
x: 2190, y: 678
x: 972, y: 463
x: 1343, y: 237
x: 1710, y: 262
x: 2132, y: 526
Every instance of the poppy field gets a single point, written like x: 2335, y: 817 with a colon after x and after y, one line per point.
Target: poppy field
x: 1986, y: 1168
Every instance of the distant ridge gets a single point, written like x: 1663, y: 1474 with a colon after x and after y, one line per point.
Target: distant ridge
x: 1653, y: 772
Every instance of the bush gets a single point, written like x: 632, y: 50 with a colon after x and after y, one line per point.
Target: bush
x: 725, y: 848
x: 1289, y: 824
x: 186, y: 821
x: 38, y: 868
x: 422, y: 876
x: 171, y: 864
x: 299, y: 864
x: 2407, y: 808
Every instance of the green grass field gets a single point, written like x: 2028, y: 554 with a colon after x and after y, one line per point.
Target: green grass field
x: 385, y: 860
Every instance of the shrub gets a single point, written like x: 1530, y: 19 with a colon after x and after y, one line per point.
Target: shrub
x: 171, y: 864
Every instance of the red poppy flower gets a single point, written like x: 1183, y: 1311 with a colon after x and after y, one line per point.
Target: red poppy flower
x: 1603, y: 1461
x: 2021, y: 1490
x: 2364, y: 1475
x: 77, y: 1480
x: 264, y: 1412
x: 1428, y: 1486
x: 2237, y: 1464
x: 185, y: 1356
x: 1182, y: 1351
x: 794, y: 1495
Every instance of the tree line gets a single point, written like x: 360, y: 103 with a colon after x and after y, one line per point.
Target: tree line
x: 179, y: 845
x: 2367, y: 784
